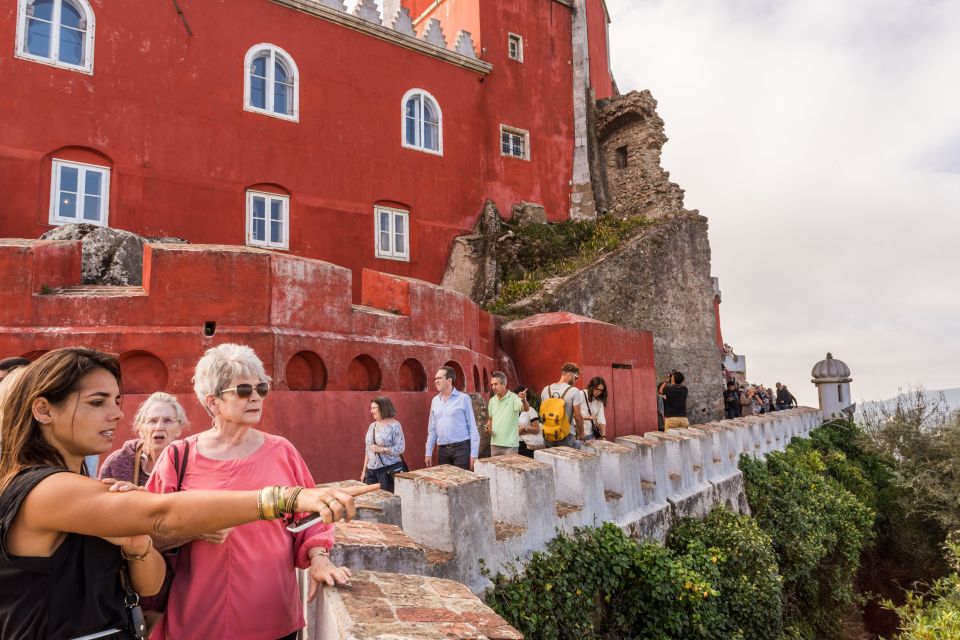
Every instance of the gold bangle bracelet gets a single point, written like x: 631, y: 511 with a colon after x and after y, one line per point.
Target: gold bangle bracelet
x: 294, y: 496
x: 140, y: 557
x: 281, y: 500
x: 260, y: 504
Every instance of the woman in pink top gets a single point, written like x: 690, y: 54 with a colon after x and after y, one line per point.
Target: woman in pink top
x: 240, y: 584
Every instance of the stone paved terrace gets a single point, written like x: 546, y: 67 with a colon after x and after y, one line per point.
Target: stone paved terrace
x: 453, y: 520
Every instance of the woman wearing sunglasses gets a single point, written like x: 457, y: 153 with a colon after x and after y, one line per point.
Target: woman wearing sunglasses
x: 70, y: 543
x: 158, y: 422
x: 241, y: 585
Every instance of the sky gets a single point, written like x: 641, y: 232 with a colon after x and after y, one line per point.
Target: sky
x: 821, y: 138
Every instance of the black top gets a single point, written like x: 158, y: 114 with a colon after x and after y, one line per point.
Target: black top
x: 674, y: 401
x: 785, y: 397
x: 74, y: 592
x: 731, y: 398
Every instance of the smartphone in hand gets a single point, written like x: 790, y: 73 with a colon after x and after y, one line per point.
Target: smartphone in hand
x: 305, y: 523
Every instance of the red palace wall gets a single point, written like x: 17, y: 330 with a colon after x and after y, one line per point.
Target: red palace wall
x: 328, y: 358
x: 164, y: 110
x: 601, y: 78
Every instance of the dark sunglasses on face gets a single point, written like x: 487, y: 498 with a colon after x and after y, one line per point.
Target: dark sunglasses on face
x: 246, y: 390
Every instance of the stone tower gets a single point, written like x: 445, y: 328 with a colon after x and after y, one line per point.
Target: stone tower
x: 832, y: 378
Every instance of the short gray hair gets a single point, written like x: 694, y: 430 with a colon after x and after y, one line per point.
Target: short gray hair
x: 159, y: 398
x: 501, y: 376
x: 221, y: 364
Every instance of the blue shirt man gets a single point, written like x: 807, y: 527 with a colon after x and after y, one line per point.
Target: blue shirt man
x: 452, y: 426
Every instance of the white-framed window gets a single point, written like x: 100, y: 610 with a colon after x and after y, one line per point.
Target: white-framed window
x: 268, y: 220
x: 421, y: 122
x: 79, y: 192
x: 514, y: 142
x: 56, y: 32
x: 271, y: 82
x: 392, y: 233
x: 515, y: 47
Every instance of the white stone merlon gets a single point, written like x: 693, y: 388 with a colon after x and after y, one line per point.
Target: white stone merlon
x: 367, y: 10
x: 464, y: 44
x: 524, y: 504
x: 620, y: 467
x: 449, y: 511
x: 657, y: 512
x: 433, y: 33
x: 579, y: 483
x: 401, y: 22
x: 700, y: 456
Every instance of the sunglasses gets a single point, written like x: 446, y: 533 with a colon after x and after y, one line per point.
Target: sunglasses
x: 246, y: 390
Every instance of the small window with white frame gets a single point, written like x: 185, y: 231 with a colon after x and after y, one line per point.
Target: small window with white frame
x: 392, y: 233
x: 514, y: 142
x: 79, y: 192
x: 515, y: 47
x: 56, y: 32
x: 268, y: 220
x: 271, y: 82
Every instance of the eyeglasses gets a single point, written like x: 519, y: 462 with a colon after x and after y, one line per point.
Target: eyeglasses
x: 165, y: 421
x: 246, y: 390
x: 440, y: 379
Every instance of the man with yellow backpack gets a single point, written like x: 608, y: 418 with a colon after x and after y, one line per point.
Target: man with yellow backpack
x: 560, y: 403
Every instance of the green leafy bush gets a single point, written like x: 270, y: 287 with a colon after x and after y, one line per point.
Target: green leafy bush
x: 749, y: 604
x: 934, y: 615
x: 818, y: 529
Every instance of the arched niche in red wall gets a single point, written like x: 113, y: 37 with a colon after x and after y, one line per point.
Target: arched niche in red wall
x: 142, y: 372
x: 477, y: 384
x: 306, y: 372
x: 364, y: 374
x: 460, y: 384
x: 486, y: 381
x: 412, y: 376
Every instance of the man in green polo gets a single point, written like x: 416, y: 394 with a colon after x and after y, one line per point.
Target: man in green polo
x: 504, y: 409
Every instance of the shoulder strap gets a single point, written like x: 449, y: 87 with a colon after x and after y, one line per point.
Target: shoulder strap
x: 565, y: 391
x: 181, y: 470
x: 136, y: 463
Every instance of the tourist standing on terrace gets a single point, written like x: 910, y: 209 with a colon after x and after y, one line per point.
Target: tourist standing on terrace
x: 452, y: 426
x: 383, y: 446
x: 504, y: 409
x: 158, y: 422
x: 242, y: 585
x: 674, y: 395
x: 595, y: 399
x: 572, y: 403
x: 731, y: 400
x: 785, y: 399
x: 67, y: 537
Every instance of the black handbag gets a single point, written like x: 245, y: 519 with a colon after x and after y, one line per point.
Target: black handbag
x: 131, y: 600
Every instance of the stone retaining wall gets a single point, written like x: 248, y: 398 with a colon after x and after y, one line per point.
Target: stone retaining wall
x: 448, y: 523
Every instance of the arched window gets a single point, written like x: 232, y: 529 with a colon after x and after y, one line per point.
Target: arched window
x: 56, y: 32
x: 271, y: 82
x: 422, y: 124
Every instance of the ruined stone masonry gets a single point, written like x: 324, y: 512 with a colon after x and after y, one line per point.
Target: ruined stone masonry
x: 443, y: 521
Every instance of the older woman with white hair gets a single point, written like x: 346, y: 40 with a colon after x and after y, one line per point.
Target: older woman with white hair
x: 158, y: 422
x: 245, y: 585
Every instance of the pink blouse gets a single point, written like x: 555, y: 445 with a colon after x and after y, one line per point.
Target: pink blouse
x: 245, y: 588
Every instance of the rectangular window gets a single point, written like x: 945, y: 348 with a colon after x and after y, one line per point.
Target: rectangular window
x: 515, y: 47
x: 392, y: 233
x: 514, y: 142
x: 268, y: 220
x: 621, y: 157
x: 79, y: 193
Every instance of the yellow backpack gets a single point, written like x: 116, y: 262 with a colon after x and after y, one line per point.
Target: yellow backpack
x: 554, y: 418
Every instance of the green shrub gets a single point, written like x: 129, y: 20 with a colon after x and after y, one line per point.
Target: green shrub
x: 934, y: 615
x: 749, y: 604
x: 818, y: 529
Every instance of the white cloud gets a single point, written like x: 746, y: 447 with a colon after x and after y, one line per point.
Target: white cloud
x: 822, y: 140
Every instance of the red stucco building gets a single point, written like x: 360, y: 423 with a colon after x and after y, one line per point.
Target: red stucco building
x: 366, y: 141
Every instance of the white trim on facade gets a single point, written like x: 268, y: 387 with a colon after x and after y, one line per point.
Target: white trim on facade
x: 88, y: 22
x: 515, y: 39
x: 424, y: 96
x: 391, y: 252
x: 268, y: 241
x: 275, y: 54
x: 80, y: 195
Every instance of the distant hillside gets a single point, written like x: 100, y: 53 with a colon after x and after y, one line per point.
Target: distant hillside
x: 950, y: 396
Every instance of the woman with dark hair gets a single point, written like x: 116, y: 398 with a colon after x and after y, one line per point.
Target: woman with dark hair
x: 529, y: 426
x: 595, y: 399
x: 384, y: 445
x: 70, y: 543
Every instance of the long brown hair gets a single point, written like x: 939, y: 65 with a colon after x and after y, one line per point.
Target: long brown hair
x: 53, y: 376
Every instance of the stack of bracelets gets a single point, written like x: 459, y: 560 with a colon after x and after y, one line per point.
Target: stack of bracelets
x: 273, y: 503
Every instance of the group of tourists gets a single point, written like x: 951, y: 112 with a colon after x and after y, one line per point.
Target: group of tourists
x: 754, y: 399
x: 164, y: 520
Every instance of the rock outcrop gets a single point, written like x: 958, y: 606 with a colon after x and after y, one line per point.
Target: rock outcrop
x: 659, y: 281
x: 472, y: 266
x: 110, y: 256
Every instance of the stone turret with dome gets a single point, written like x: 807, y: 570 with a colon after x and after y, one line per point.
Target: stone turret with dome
x: 832, y: 378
